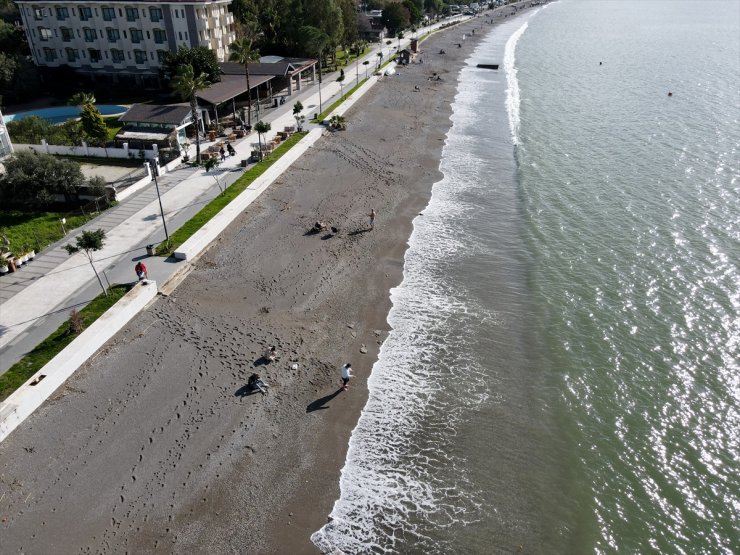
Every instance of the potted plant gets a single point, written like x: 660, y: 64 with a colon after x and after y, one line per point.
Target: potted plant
x: 30, y: 253
x: 3, y: 267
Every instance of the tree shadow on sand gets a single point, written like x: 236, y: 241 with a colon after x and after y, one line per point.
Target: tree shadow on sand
x: 318, y: 404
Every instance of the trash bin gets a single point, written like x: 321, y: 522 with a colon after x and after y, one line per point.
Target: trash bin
x: 150, y: 250
x: 244, y: 163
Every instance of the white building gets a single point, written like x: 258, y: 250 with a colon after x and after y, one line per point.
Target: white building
x: 123, y: 38
x: 6, y: 148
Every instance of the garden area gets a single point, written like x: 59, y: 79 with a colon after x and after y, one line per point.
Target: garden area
x: 43, y: 197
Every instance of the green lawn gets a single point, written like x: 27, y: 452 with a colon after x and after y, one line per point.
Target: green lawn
x: 37, y: 230
x: 22, y: 370
x: 113, y: 126
x: 215, y: 206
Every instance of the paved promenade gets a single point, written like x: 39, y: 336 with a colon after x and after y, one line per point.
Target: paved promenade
x: 38, y: 298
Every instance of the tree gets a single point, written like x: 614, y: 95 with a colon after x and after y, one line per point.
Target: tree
x: 187, y: 84
x: 203, y: 60
x: 82, y: 99
x: 349, y: 22
x: 395, y: 17
x: 261, y: 127
x: 89, y: 242
x: 340, y: 79
x: 243, y: 53
x: 31, y: 179
x: 93, y: 125
x: 297, y: 107
x: 414, y: 10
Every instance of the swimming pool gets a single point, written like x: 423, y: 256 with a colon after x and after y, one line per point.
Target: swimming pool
x: 60, y: 114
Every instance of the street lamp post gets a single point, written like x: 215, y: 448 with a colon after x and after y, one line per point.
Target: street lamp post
x: 159, y: 198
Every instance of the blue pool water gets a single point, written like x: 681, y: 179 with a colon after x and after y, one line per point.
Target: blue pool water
x: 60, y: 114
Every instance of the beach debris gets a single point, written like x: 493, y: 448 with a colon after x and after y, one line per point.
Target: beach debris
x: 378, y: 332
x: 353, y: 334
x: 265, y: 310
x: 294, y: 366
x: 363, y: 349
x: 351, y: 326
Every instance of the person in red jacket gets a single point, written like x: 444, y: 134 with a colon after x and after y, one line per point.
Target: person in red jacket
x: 140, y: 270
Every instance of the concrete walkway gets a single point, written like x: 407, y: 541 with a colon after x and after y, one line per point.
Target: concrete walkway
x: 38, y: 299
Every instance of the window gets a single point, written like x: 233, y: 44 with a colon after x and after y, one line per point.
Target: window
x: 180, y: 34
x: 161, y: 55
x: 117, y: 56
x: 62, y: 13
x: 90, y: 34
x: 155, y: 14
x: 38, y: 13
x: 67, y: 34
x: 44, y: 33
x: 94, y: 55
x: 72, y: 54
x: 85, y: 13
x: 109, y: 14
x: 113, y: 34
x: 160, y: 36
x: 132, y: 14
x: 136, y: 36
x: 50, y: 54
x: 140, y: 56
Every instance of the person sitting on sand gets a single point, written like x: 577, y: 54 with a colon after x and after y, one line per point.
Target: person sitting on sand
x: 255, y: 382
x: 320, y: 226
x: 271, y: 354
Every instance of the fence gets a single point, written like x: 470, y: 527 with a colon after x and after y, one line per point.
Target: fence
x: 90, y: 151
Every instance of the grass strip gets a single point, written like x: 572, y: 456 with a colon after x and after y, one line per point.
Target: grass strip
x: 35, y: 230
x: 331, y: 108
x: 21, y: 371
x: 216, y: 205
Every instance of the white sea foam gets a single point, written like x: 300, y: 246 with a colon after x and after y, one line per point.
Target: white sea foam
x: 401, y: 484
x: 513, y: 100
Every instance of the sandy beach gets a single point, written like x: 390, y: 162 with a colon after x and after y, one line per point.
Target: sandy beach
x: 153, y: 446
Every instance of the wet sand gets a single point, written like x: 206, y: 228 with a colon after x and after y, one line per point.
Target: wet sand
x: 153, y: 446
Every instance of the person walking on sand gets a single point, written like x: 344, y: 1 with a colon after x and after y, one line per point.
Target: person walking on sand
x: 372, y: 215
x: 346, y: 372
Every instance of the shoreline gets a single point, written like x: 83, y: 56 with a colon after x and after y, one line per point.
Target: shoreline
x: 180, y: 459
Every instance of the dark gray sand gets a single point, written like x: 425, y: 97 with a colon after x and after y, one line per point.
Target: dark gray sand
x: 153, y: 447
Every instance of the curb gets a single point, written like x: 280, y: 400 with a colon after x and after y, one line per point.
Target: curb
x: 32, y: 394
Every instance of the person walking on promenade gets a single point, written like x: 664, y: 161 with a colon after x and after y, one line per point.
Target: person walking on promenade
x: 140, y: 270
x: 372, y: 215
x: 222, y: 152
x: 346, y: 372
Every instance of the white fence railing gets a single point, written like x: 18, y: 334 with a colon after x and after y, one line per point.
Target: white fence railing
x: 91, y: 151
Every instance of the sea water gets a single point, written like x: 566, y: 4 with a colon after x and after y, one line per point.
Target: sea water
x: 562, y: 374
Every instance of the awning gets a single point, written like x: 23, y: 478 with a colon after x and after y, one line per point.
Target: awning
x: 141, y: 136
x: 230, y: 87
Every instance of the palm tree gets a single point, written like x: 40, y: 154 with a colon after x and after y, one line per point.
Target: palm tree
x: 82, y: 99
x: 186, y: 84
x: 243, y: 53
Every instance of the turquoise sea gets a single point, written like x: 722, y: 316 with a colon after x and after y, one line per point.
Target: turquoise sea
x: 563, y: 374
